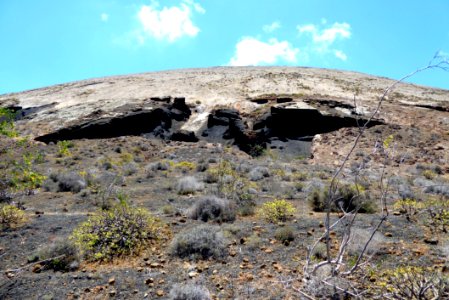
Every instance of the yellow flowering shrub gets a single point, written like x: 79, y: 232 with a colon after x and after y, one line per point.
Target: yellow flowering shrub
x: 278, y: 210
x: 11, y: 216
x: 119, y: 231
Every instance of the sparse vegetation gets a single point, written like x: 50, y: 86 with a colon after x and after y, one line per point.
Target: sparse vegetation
x: 188, y: 185
x: 277, y: 211
x: 7, y: 127
x: 61, y: 255
x: 411, y: 282
x: 123, y: 230
x: 200, y: 242
x: 64, y: 148
x: 65, y: 182
x: 212, y: 208
x: 189, y: 292
x: 11, y: 216
x: 347, y: 197
x: 285, y: 234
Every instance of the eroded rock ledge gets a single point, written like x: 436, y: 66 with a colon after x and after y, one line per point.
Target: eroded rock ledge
x: 272, y: 126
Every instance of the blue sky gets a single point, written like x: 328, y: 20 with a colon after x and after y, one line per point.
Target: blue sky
x: 48, y: 42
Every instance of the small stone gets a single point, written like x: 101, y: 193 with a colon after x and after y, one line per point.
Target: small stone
x: 193, y: 274
x: 37, y: 268
x: 309, y: 233
x: 388, y: 234
x: 139, y: 269
x: 215, y: 272
x: 111, y: 281
x: 149, y: 280
x: 112, y: 293
x: 268, y: 250
x: 160, y: 293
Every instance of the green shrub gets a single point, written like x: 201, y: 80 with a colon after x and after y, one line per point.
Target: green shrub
x: 277, y: 211
x: 408, y: 207
x: 203, y: 241
x: 429, y: 174
x: 119, y: 231
x: 24, y: 176
x: 7, y: 117
x: 411, y: 282
x: 347, y: 197
x: 438, y: 211
x: 63, y: 148
x: 212, y: 208
x: 11, y: 216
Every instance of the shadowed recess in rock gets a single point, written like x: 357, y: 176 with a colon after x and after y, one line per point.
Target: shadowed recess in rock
x: 158, y: 121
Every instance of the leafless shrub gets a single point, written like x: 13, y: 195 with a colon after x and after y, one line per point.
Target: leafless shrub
x: 212, y: 208
x: 188, y: 185
x: 189, y: 292
x: 200, y: 242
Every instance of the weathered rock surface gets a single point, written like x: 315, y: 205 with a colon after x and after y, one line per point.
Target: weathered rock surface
x: 247, y: 106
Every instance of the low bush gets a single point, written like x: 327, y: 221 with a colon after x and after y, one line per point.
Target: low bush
x: 189, y: 292
x: 184, y: 166
x: 429, y: 174
x: 119, y: 231
x: 63, y: 148
x: 408, y: 207
x: 11, y: 216
x: 188, y: 185
x: 130, y: 168
x: 285, y: 234
x: 411, y: 282
x: 277, y: 211
x: 212, y: 208
x: 7, y: 117
x: 200, y: 242
x: 258, y: 173
x: 347, y: 197
x: 65, y: 182
x: 158, y: 166
x: 437, y: 210
x: 61, y: 255
x: 439, y: 189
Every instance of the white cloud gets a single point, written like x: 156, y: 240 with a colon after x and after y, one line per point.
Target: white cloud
x: 253, y: 52
x: 341, y: 55
x: 323, y: 39
x: 271, y: 27
x: 104, y: 17
x: 169, y: 23
x: 327, y: 35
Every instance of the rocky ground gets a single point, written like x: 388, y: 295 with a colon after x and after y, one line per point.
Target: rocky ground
x: 158, y: 141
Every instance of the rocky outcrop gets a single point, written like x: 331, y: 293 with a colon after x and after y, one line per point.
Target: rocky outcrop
x: 251, y: 107
x: 158, y: 122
